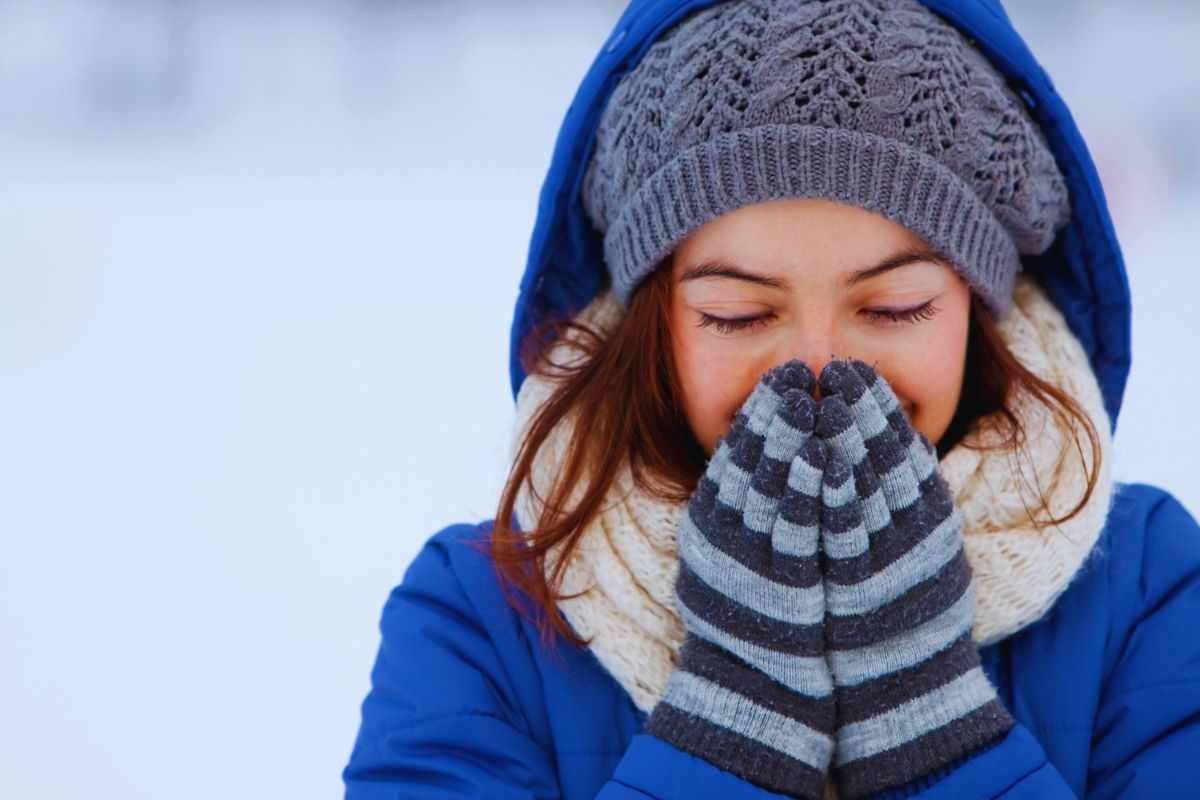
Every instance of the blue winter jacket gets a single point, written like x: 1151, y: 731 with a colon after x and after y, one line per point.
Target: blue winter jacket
x: 1105, y: 688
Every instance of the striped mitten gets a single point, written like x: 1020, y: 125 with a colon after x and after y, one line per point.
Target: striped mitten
x: 752, y: 693
x: 912, y: 700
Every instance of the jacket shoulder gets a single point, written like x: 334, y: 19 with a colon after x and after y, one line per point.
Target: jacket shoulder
x: 456, y: 551
x: 456, y: 697
x: 1153, y: 562
x: 447, y: 629
x: 1146, y: 523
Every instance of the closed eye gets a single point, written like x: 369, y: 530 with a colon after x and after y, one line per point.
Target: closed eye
x: 886, y: 316
x: 729, y: 325
x: 922, y: 312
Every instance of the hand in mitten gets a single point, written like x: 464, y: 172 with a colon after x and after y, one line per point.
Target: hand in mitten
x: 912, y: 699
x: 752, y: 693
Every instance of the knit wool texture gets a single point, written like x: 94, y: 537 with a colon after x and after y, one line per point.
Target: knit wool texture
x: 879, y: 104
x: 753, y: 693
x: 626, y: 562
x: 912, y: 697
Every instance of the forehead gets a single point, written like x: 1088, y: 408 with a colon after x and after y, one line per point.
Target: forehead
x: 794, y: 234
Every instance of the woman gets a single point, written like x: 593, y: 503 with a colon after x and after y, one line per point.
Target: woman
x: 834, y: 292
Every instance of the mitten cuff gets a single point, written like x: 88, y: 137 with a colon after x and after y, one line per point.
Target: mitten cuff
x: 910, y: 769
x: 748, y: 758
x: 722, y: 710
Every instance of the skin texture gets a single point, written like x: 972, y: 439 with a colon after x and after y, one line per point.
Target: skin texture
x: 810, y: 248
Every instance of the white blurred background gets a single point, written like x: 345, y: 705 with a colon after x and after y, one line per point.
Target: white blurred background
x: 257, y: 265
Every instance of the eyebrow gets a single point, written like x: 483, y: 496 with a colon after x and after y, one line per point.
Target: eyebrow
x: 717, y: 269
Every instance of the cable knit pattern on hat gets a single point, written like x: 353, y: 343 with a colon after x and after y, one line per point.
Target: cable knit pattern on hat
x: 627, y: 560
x: 874, y: 103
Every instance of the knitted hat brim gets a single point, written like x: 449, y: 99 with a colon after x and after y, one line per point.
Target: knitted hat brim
x: 778, y: 161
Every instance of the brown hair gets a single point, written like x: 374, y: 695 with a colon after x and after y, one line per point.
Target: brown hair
x: 625, y: 386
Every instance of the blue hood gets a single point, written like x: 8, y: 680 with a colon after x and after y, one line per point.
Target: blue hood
x: 1083, y: 272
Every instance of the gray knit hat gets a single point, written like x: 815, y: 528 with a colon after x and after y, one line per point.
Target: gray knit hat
x: 879, y: 104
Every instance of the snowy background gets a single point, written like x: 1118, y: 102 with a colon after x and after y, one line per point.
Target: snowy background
x: 257, y: 266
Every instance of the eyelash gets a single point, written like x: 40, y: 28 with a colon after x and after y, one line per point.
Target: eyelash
x: 910, y: 315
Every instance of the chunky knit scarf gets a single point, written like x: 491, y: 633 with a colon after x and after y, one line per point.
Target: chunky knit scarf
x: 627, y: 559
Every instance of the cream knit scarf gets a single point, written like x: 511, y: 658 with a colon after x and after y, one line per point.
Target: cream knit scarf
x: 628, y: 559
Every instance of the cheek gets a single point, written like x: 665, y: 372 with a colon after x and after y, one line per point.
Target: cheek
x: 928, y: 382
x: 713, y: 385
x: 928, y: 394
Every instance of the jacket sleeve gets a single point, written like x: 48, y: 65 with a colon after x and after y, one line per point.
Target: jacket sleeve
x: 443, y: 717
x: 653, y: 768
x: 1147, y: 737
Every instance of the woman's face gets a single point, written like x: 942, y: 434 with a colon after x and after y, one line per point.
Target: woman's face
x: 814, y: 280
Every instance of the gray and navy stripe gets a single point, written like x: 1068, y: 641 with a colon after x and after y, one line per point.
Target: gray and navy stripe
x: 752, y: 693
x: 911, y: 694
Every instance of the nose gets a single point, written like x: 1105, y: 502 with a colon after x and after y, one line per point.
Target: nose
x: 815, y: 357
x: 817, y: 374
